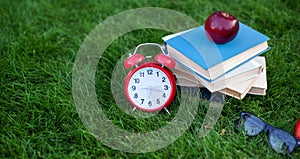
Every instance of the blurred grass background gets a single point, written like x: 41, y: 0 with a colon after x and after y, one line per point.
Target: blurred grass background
x: 39, y: 41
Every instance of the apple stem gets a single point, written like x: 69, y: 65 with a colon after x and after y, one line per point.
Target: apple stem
x: 226, y: 14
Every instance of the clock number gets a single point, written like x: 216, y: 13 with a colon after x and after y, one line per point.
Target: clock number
x: 164, y: 95
x: 135, y: 95
x: 149, y: 72
x: 136, y: 80
x: 163, y: 79
x: 166, y: 87
x: 133, y: 88
x: 142, y: 101
x: 142, y: 74
x: 150, y: 103
x: 157, y: 101
x: 157, y: 74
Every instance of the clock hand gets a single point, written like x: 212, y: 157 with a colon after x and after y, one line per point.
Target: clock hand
x: 148, y: 91
x: 157, y: 88
x: 148, y: 88
x: 152, y: 89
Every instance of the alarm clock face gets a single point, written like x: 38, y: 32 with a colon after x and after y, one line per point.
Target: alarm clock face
x: 150, y: 87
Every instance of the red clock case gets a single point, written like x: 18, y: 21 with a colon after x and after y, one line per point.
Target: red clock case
x: 163, y: 69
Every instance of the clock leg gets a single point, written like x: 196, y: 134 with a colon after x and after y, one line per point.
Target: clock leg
x: 134, y: 108
x: 167, y: 110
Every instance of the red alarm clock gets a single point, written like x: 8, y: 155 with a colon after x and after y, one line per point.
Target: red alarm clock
x: 149, y: 86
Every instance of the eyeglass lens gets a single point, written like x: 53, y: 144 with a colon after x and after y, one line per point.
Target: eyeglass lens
x: 252, y: 125
x: 281, y: 141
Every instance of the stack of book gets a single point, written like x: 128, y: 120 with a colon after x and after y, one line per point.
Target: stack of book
x: 234, y: 68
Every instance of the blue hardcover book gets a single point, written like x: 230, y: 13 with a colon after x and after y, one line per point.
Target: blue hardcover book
x: 209, y: 60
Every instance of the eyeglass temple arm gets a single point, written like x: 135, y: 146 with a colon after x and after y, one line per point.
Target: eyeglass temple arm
x: 298, y: 144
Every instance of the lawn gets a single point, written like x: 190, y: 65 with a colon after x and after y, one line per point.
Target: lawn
x: 39, y: 41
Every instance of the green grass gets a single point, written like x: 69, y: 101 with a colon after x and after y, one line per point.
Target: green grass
x: 38, y: 46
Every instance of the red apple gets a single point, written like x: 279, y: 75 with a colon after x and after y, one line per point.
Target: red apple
x: 297, y: 130
x: 221, y: 27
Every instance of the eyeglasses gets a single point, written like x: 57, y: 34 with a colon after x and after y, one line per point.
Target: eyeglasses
x: 280, y: 140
